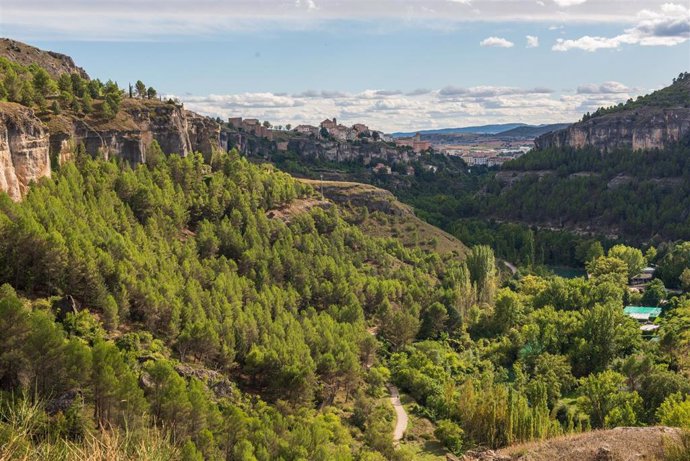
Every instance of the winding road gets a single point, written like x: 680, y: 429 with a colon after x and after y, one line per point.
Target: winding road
x: 400, y: 413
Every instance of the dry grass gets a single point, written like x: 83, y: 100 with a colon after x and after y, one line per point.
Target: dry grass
x: 23, y: 437
x: 623, y: 443
x: 296, y: 207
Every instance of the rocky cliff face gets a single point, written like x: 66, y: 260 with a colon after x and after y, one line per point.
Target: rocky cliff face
x: 637, y: 129
x: 24, y: 152
x: 203, y: 134
x: 347, y: 151
x: 136, y: 126
x: 27, y: 144
x: 313, y: 148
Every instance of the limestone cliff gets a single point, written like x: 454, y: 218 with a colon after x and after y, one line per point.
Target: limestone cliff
x: 203, y: 133
x: 24, y: 149
x: 636, y: 129
x: 131, y: 132
x: 316, y: 148
x: 27, y: 144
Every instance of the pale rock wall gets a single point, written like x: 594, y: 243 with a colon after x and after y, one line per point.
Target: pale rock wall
x: 26, y: 145
x: 24, y: 149
x: 638, y: 129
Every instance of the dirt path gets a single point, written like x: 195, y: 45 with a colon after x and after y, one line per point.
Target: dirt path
x: 401, y: 415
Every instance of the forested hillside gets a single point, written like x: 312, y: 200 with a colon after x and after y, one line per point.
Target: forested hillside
x: 177, y: 262
x: 234, y: 335
x: 675, y: 95
x: 639, y: 196
x: 205, y: 307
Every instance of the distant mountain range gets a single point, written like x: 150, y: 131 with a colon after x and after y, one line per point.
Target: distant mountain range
x: 514, y: 129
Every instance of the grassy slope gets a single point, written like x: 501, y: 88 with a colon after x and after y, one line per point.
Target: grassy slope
x: 624, y: 443
x: 388, y: 217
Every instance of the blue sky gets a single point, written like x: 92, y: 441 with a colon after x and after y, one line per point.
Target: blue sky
x: 299, y: 61
x: 351, y: 57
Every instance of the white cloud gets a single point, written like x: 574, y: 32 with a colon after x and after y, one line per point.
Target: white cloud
x: 489, y: 91
x: 145, y: 19
x: 396, y: 111
x: 309, y: 5
x: 567, y: 3
x: 586, y: 43
x: 603, y: 88
x: 532, y: 41
x: 497, y: 42
x: 667, y: 27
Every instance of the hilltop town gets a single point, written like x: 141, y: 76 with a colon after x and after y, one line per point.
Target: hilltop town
x: 330, y: 141
x: 335, y: 142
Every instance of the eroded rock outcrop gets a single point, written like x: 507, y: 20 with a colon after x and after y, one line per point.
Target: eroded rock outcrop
x: 203, y: 133
x: 637, y: 129
x: 24, y: 151
x: 27, y: 144
x: 320, y: 149
x: 131, y: 132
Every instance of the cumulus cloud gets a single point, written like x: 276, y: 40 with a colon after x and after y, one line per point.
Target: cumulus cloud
x: 567, y: 3
x: 532, y: 41
x: 603, y: 88
x: 392, y: 110
x: 388, y: 92
x: 668, y: 26
x: 497, y: 42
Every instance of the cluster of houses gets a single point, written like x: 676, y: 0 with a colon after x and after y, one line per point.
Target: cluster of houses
x: 380, y: 145
x: 339, y: 132
x: 331, y: 128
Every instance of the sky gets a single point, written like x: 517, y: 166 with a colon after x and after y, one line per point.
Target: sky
x: 396, y: 65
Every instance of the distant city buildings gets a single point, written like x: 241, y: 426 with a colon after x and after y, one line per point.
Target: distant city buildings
x: 329, y: 124
x: 334, y: 130
x: 483, y: 156
x: 343, y: 133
